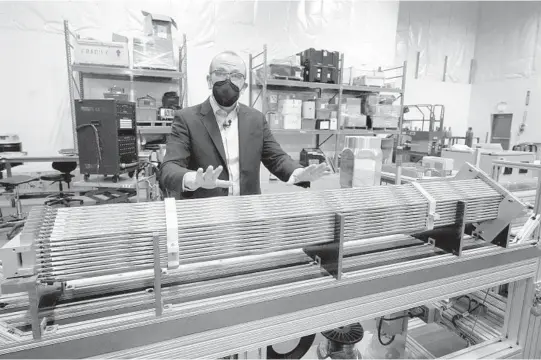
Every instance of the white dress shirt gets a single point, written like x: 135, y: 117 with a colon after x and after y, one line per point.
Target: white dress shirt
x: 230, y: 139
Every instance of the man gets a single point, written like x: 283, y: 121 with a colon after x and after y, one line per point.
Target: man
x: 215, y: 148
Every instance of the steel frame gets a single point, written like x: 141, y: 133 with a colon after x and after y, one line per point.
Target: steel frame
x: 78, y: 84
x: 229, y: 324
x: 252, y: 66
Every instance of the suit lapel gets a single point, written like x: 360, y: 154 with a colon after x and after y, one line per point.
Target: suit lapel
x: 209, y: 120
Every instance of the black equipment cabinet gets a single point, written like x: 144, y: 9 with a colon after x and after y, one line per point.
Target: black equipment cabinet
x: 107, y: 137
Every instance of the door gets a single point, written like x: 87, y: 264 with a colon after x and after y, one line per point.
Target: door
x: 501, y: 129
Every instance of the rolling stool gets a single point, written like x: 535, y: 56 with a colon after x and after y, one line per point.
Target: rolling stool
x: 11, y: 185
x: 62, y: 198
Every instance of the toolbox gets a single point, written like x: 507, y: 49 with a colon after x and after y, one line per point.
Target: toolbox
x: 320, y: 57
x: 321, y: 74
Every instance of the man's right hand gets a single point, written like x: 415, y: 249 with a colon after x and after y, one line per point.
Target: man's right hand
x: 207, y: 180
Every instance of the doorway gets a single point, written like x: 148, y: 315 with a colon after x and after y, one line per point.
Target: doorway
x: 501, y: 129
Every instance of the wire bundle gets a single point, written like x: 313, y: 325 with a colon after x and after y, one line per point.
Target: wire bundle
x: 83, y: 242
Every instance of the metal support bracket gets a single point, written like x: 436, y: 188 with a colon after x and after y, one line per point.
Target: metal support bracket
x: 330, y: 255
x: 432, y: 215
x: 172, y: 233
x: 495, y: 231
x: 448, y: 238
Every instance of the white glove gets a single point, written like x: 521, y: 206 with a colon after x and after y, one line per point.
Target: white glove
x: 310, y: 173
x: 193, y: 180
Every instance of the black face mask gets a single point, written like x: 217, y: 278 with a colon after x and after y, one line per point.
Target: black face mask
x: 225, y: 92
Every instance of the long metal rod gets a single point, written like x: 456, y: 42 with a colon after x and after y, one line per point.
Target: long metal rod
x: 250, y: 80
x: 400, y: 124
x: 264, y: 97
x: 70, y: 84
x: 339, y: 113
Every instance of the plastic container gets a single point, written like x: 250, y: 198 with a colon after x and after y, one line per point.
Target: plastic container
x: 361, y: 162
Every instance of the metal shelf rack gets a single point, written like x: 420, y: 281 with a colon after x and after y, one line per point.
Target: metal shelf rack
x: 260, y: 88
x: 133, y: 75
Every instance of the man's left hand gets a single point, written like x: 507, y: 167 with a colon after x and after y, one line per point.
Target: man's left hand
x: 307, y: 174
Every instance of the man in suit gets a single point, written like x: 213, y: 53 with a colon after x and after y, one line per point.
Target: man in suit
x: 215, y: 148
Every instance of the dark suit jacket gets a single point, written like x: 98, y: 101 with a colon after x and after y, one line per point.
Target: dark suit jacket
x: 195, y: 142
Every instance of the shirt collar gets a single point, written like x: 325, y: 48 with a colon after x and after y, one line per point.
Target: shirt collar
x: 217, y: 110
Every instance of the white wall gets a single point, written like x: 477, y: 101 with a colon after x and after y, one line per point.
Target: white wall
x: 508, y: 60
x: 34, y: 91
x: 437, y: 29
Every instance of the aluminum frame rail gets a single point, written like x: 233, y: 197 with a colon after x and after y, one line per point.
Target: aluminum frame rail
x: 235, y: 323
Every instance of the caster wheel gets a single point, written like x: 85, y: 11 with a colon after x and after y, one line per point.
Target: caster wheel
x: 131, y: 173
x: 86, y: 177
x: 115, y: 178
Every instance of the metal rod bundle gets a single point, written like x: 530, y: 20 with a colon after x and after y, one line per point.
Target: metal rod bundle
x: 73, y: 243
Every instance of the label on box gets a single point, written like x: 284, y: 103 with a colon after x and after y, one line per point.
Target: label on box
x: 161, y: 31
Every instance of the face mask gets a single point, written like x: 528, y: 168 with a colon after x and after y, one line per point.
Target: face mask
x: 225, y: 92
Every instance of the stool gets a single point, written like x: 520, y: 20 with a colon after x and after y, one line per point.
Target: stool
x: 62, y: 198
x: 11, y: 185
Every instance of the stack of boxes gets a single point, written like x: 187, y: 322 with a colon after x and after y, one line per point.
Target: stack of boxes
x: 353, y: 118
x: 153, y: 50
x: 291, y: 111
x: 320, y: 65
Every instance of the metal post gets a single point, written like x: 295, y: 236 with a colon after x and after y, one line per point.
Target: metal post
x: 70, y: 84
x: 185, y: 70
x: 339, y: 113
x: 264, y: 88
x: 250, y: 75
x: 445, y: 68
x: 537, y: 204
x: 158, y: 303
x: 400, y: 122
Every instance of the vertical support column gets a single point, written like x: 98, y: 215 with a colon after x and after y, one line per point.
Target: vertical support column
x: 183, y: 68
x: 158, y: 303
x: 33, y: 302
x: 250, y: 79
x: 445, y: 68
x: 330, y: 255
x: 339, y: 113
x: 515, y: 304
x: 264, y: 99
x: 70, y: 84
x: 400, y: 122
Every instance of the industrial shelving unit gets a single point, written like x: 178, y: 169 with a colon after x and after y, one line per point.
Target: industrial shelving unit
x: 340, y: 89
x: 76, y: 85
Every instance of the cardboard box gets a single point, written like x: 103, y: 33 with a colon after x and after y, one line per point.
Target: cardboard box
x: 275, y: 121
x: 384, y: 122
x: 308, y: 124
x: 308, y: 109
x: 324, y: 114
x: 292, y: 122
x: 290, y: 107
x: 353, y: 106
x: 155, y: 50
x: 354, y: 120
x: 93, y: 52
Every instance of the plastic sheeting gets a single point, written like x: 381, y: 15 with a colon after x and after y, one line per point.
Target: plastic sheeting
x: 509, y: 40
x: 435, y: 30
x: 508, y: 55
x: 34, y: 94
